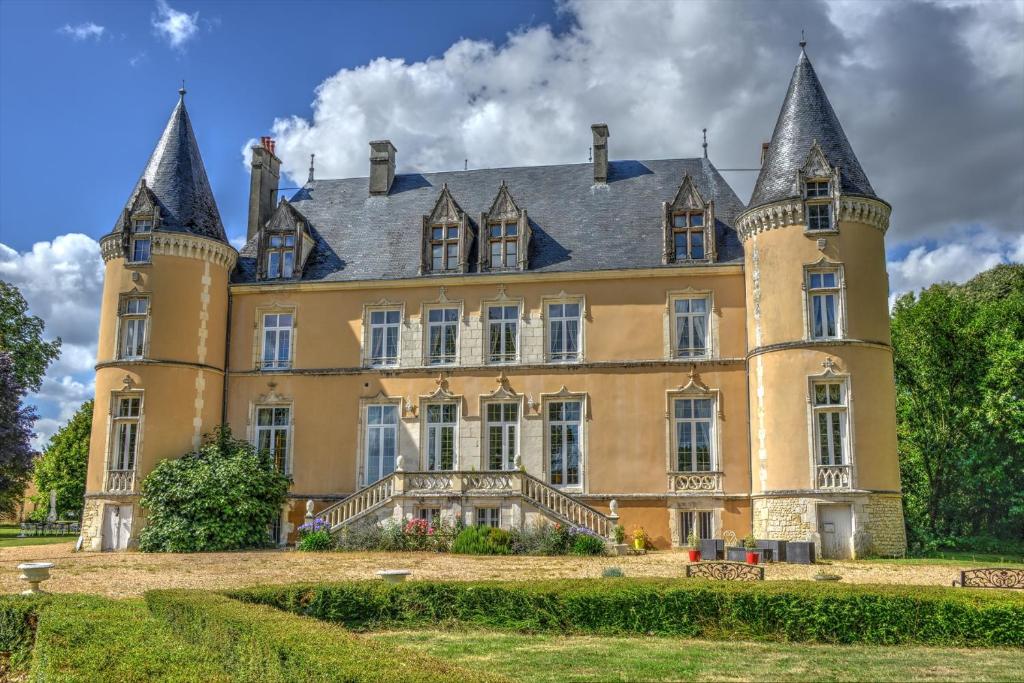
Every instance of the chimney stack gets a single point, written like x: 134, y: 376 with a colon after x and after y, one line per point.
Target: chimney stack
x: 382, y: 166
x: 600, y: 131
x: 263, y: 183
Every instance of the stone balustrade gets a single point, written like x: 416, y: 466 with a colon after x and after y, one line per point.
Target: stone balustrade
x: 120, y: 481
x: 695, y: 482
x: 834, y: 477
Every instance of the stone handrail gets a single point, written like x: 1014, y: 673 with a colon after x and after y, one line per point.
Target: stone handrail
x: 834, y: 477
x: 551, y: 500
x: 120, y: 481
x: 681, y: 482
x: 359, y: 503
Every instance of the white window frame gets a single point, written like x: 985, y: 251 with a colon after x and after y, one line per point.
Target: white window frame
x: 431, y: 431
x: 565, y: 397
x: 384, y: 361
x: 279, y: 331
x: 677, y: 351
x: 491, y: 512
x: 117, y: 422
x: 562, y: 299
x: 428, y: 331
x: 502, y: 241
x: 815, y: 198
x: 517, y: 339
x: 713, y: 465
x: 837, y: 291
x: 130, y: 320
x: 368, y: 431
x: 272, y: 428
x: 842, y: 409
x: 705, y: 522
x: 142, y: 226
x: 513, y: 427
x: 282, y: 251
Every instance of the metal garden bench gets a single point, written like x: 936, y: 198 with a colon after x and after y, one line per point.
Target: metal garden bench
x: 991, y: 577
x: 725, y: 571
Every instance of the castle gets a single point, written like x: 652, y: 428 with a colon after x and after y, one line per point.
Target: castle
x: 622, y: 342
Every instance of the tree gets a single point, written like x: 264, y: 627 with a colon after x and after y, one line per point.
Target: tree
x: 16, y: 423
x: 222, y: 497
x: 959, y: 365
x: 21, y: 335
x: 63, y: 465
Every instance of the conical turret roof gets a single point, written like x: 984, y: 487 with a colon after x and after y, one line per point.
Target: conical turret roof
x: 806, y: 117
x: 177, y: 178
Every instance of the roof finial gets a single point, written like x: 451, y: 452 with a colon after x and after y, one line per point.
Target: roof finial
x: 311, y: 158
x: 181, y: 90
x: 705, y: 145
x: 803, y: 41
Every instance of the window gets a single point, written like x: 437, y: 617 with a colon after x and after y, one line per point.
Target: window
x: 564, y: 332
x: 134, y: 314
x: 819, y: 216
x: 277, y: 341
x: 688, y: 235
x: 432, y: 515
x: 441, y: 419
x: 488, y: 517
x: 127, y: 411
x: 564, y: 442
x: 502, y: 426
x: 442, y: 335
x: 818, y: 188
x: 141, y: 240
x: 280, y: 256
x: 691, y: 327
x: 700, y: 521
x: 444, y: 248
x: 504, y: 244
x: 381, y: 441
x: 694, y: 429
x: 384, y: 337
x: 274, y: 530
x: 272, y: 432
x: 823, y: 299
x: 503, y: 333
x: 830, y: 413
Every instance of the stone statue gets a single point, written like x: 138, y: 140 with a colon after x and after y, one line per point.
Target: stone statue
x: 52, y: 517
x: 309, y: 510
x: 613, y: 508
x: 399, y: 463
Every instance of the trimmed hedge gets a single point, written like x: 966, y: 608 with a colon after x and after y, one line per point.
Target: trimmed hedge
x: 18, y: 617
x: 258, y: 643
x: 776, y: 610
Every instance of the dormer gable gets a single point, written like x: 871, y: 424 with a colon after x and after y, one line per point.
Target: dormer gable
x: 819, y: 185
x: 504, y: 234
x: 284, y: 244
x: 447, y: 237
x: 688, y: 224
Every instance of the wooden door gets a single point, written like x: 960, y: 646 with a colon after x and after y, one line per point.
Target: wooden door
x: 124, y: 526
x: 835, y: 524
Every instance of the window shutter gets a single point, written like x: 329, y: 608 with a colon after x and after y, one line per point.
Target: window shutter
x: 668, y: 254
x: 425, y: 246
x: 524, y: 240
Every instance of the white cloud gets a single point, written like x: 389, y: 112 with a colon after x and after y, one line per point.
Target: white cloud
x: 175, y: 26
x: 137, y: 59
x: 82, y: 31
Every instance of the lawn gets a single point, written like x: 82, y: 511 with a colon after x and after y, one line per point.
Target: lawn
x: 589, y: 658
x: 9, y: 538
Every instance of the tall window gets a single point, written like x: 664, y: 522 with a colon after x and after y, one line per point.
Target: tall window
x: 564, y: 332
x: 142, y: 240
x: 134, y: 314
x: 488, y: 517
x: 277, y: 341
x: 381, y: 441
x: 564, y: 425
x: 444, y: 248
x: 691, y: 327
x: 384, y: 331
x: 502, y: 430
x: 830, y: 413
x: 700, y: 521
x: 694, y: 429
x: 126, y: 432
x: 504, y: 244
x: 688, y: 235
x: 823, y: 300
x: 819, y: 216
x: 503, y: 333
x: 280, y: 255
x: 272, y: 433
x: 442, y: 335
x: 441, y: 419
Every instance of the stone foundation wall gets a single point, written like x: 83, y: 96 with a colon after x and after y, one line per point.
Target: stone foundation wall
x: 92, y: 521
x: 885, y: 526
x: 785, y: 519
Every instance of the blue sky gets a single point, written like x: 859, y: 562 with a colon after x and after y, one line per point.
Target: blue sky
x: 931, y: 95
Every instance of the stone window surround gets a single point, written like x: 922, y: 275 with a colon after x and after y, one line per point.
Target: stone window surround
x: 367, y: 351
x: 823, y: 265
x: 121, y: 302
x: 669, y: 323
x: 258, y: 336
x: 563, y: 298
x: 502, y: 300
x: 425, y: 307
x: 694, y: 388
x: 503, y: 394
x: 564, y: 394
x: 702, y: 504
x: 136, y: 218
x: 361, y: 432
x: 830, y: 375
x: 440, y: 396
x: 273, y: 400
x: 112, y: 421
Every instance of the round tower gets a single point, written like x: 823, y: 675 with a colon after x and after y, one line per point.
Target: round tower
x: 822, y: 397
x: 162, y: 333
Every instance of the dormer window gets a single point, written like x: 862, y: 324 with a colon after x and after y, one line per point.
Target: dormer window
x: 818, y: 188
x: 280, y: 255
x: 508, y: 234
x: 446, y: 237
x: 504, y: 244
x: 444, y: 248
x: 285, y: 244
x: 688, y: 235
x: 689, y: 224
x: 142, y: 240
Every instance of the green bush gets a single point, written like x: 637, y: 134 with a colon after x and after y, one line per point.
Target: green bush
x: 361, y: 535
x: 584, y: 543
x: 222, y: 497
x: 255, y: 643
x: 542, y: 539
x: 18, y: 617
x: 776, y: 610
x: 482, y: 540
x: 316, y: 541
x: 612, y: 572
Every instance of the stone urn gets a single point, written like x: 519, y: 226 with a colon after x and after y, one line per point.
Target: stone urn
x: 35, y: 573
x: 394, y: 575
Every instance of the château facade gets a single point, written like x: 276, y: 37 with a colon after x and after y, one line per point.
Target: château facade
x: 622, y: 342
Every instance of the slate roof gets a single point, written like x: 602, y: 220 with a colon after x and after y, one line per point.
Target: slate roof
x: 576, y: 226
x: 176, y: 175
x: 806, y: 116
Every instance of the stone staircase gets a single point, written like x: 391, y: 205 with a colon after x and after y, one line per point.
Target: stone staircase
x: 549, y: 501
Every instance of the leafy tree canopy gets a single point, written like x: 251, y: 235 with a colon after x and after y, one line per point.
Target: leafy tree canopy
x: 222, y: 497
x: 16, y: 423
x: 21, y: 335
x: 63, y: 465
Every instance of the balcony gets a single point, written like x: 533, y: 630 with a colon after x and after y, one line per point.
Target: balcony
x: 120, y: 481
x: 834, y: 477
x: 695, y: 482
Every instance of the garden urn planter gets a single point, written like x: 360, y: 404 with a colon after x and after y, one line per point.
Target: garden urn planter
x: 620, y: 549
x: 638, y: 543
x: 394, y: 575
x: 753, y: 557
x: 694, y: 555
x: 35, y: 573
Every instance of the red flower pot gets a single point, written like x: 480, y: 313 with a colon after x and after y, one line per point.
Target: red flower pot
x: 694, y: 556
x: 753, y: 556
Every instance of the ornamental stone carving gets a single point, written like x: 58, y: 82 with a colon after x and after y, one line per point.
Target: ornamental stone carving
x: 791, y: 212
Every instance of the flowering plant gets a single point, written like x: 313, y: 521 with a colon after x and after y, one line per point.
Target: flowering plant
x: 316, y: 524
x: 639, y: 534
x: 419, y: 527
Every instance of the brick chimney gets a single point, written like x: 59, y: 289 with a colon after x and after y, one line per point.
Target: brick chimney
x: 601, y: 135
x: 263, y: 183
x: 382, y: 166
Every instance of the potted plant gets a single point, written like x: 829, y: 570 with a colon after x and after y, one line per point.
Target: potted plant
x: 751, y: 545
x: 694, y: 544
x: 619, y: 536
x: 640, y: 539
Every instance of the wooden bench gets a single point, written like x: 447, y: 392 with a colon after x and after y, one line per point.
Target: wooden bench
x: 725, y: 571
x: 991, y: 577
